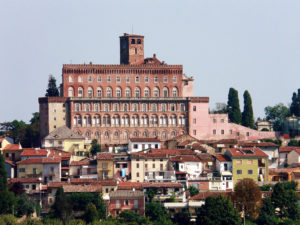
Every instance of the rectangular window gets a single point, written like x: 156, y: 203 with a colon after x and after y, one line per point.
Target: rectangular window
x: 214, y: 132
x: 194, y: 121
x: 194, y: 108
x: 174, y: 79
x: 222, y: 131
x: 117, y: 203
x: 137, y: 165
x: 155, y: 79
x: 146, y: 79
x: 161, y: 167
x: 250, y: 162
x: 34, y: 170
x: 239, y: 162
x: 117, y: 165
x: 239, y: 171
x: 89, y: 79
x: 247, y: 134
x: 108, y: 79
x: 153, y: 165
x: 104, y: 165
x: 137, y: 79
x: 250, y: 171
x: 118, y: 79
x: 194, y: 132
x: 136, y: 204
x: 165, y: 79
x: 22, y: 170
x: 237, y: 134
x: 137, y: 174
x: 135, y: 146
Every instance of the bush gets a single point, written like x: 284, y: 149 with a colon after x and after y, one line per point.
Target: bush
x: 8, y: 219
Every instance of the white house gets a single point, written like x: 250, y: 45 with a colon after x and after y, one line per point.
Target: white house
x: 140, y: 144
x: 224, y: 167
x: 283, y: 155
x: 190, y: 164
x: 293, y: 157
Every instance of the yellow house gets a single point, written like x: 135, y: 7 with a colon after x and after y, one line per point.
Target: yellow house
x: 4, y: 141
x: 105, y: 166
x: 67, y: 140
x: 249, y: 163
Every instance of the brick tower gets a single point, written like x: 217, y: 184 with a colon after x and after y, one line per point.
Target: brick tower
x: 131, y: 49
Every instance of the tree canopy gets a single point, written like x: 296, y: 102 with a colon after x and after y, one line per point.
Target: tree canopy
x: 247, y: 115
x: 95, y: 147
x: 295, y: 105
x: 233, y: 106
x: 277, y: 114
x: 217, y: 211
x: 193, y: 191
x: 52, y: 90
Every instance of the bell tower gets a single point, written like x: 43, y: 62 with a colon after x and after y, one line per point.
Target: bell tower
x: 131, y: 49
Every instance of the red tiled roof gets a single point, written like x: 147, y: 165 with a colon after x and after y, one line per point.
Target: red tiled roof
x: 59, y: 153
x: 105, y: 156
x: 222, y: 158
x: 184, y: 143
x: 205, y: 157
x: 282, y: 170
x: 81, y: 188
x: 56, y: 184
x: 40, y: 161
x: 34, y: 152
x: 255, y: 144
x: 129, y: 185
x: 25, y: 180
x: 148, y: 155
x: 174, y: 152
x: 161, y: 184
x: 247, y: 152
x: 81, y: 162
x: 13, y: 147
x: 287, y: 149
x: 185, y: 158
x: 9, y: 162
x: 144, y: 140
x: 109, y: 182
x: 204, y: 195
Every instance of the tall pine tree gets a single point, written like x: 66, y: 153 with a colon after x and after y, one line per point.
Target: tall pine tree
x: 295, y: 106
x: 52, y: 90
x: 247, y: 115
x: 234, y: 111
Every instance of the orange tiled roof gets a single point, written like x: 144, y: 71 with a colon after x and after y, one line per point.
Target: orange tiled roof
x: 247, y: 152
x: 144, y: 140
x: 13, y: 147
x: 105, y: 156
x: 185, y: 158
x: 174, y: 152
x: 9, y: 162
x: 40, y: 161
x: 255, y: 144
x: 34, y: 152
x: 204, y: 195
x: 25, y: 180
x: 222, y: 158
x: 81, y: 162
x: 287, y: 149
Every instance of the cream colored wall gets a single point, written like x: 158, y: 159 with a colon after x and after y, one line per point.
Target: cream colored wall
x: 29, y: 170
x: 110, y: 168
x: 57, y: 111
x: 4, y: 143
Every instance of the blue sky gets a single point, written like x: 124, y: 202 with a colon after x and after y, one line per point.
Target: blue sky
x: 249, y: 45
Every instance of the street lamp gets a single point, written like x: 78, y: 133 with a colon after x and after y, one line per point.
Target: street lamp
x: 40, y: 183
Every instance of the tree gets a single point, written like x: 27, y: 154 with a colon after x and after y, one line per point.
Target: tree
x: 193, y: 191
x: 295, y: 105
x: 7, y: 199
x: 61, y: 208
x: 277, y: 114
x: 17, y: 188
x: 24, y: 206
x: 90, y: 214
x: 100, y: 205
x: 131, y: 217
x: 284, y: 197
x: 267, y: 214
x: 151, y: 194
x: 95, y: 147
x: 233, y: 106
x: 247, y: 115
x: 217, y: 211
x: 247, y: 196
x: 155, y: 211
x: 294, y: 143
x: 52, y: 90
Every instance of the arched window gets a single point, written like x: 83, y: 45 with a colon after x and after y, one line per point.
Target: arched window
x: 89, y: 120
x: 174, y: 92
x: 106, y: 107
x: 137, y: 92
x: 128, y: 92
x: 108, y: 92
x: 125, y: 135
x: 71, y: 92
x: 163, y: 107
x: 139, y: 41
x: 182, y: 107
x: 77, y: 107
x: 116, y: 134
x: 80, y: 92
x: 173, y: 134
x: 97, y: 134
x: 154, y: 107
x: 156, y: 92
x: 119, y: 92
x: 116, y: 107
x: 135, y: 107
x: 75, y: 120
x: 144, y: 107
x: 135, y: 134
x: 165, y: 92
x: 79, y: 120
x: 99, y: 92
x: 87, y: 107
x: 87, y: 134
x: 106, y: 135
x: 164, y: 135
x: 147, y: 92
x: 70, y: 79
x: 90, y: 92
x: 125, y: 107
x: 145, y: 134
x: 154, y: 134
x: 96, y: 107
x: 173, y: 107
x: 132, y: 41
x: 80, y: 79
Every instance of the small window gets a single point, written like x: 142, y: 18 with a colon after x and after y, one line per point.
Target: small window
x: 165, y: 79
x: 108, y: 79
x: 194, y: 132
x: 194, y: 121
x: 137, y: 79
x: 174, y: 79
x: 146, y: 79
x: 239, y: 171
x: 222, y: 131
x: 127, y: 79
x: 137, y: 174
x: 214, y: 131
x: 99, y: 79
x: 155, y: 79
x: 239, y: 162
x: 153, y: 165
x: 250, y: 171
x: 247, y: 134
x: 135, y: 146
x: 139, y: 41
x: 194, y: 108
x: 89, y: 79
x: 214, y: 120
x: 137, y: 165
x: 237, y: 134
x: 230, y: 131
x: 118, y: 79
x: 249, y: 161
x: 222, y: 120
x: 132, y: 41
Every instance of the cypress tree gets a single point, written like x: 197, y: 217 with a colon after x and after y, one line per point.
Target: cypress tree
x: 52, y: 90
x: 234, y: 111
x: 295, y: 105
x: 247, y: 115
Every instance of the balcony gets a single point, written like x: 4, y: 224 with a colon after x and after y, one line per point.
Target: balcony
x: 160, y: 176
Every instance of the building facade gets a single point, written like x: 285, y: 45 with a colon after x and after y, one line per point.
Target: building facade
x: 141, y: 97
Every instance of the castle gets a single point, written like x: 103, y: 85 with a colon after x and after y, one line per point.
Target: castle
x: 140, y: 98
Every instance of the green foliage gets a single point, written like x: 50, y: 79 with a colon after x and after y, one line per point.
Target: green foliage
x: 61, y: 208
x: 17, y: 188
x: 7, y: 199
x: 151, y: 194
x: 95, y: 147
x: 295, y: 105
x: 8, y: 219
x: 217, y: 211
x: 29, y: 221
x: 52, y: 90
x: 172, y: 198
x: 266, y: 187
x: 284, y: 197
x: 156, y: 212
x: 90, y: 214
x: 294, y: 143
x: 247, y: 115
x: 131, y: 217
x: 24, y: 206
x: 277, y: 114
x: 267, y: 214
x: 233, y: 106
x: 193, y: 191
x: 247, y: 197
x: 277, y: 141
x: 182, y: 217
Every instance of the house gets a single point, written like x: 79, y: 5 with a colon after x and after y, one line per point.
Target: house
x: 248, y: 163
x: 180, y: 141
x: 32, y: 185
x: 271, y: 149
x: 105, y: 165
x: 283, y: 155
x: 224, y: 167
x: 49, y: 169
x: 4, y: 141
x: 12, y: 152
x: 151, y: 166
x: 140, y: 144
x: 34, y: 153
x: 121, y: 200
x: 10, y: 169
x: 122, y: 167
x: 65, y: 139
x: 190, y: 164
x: 221, y: 145
x: 293, y: 158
